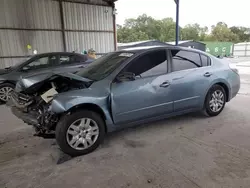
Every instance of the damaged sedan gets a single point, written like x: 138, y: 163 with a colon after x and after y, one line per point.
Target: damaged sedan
x: 122, y: 89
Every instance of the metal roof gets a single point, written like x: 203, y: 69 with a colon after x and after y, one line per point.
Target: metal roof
x: 140, y: 43
x: 134, y: 43
x: 141, y: 48
x: 146, y: 48
x: 184, y: 41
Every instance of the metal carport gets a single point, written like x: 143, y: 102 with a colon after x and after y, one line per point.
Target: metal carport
x: 55, y: 25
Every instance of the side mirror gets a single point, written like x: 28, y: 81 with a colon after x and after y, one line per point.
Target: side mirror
x: 125, y: 76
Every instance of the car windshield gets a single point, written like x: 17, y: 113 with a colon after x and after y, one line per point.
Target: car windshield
x: 104, y: 66
x: 20, y: 62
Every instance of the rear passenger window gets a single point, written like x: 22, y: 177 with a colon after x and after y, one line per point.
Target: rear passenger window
x: 205, y: 60
x: 183, y: 60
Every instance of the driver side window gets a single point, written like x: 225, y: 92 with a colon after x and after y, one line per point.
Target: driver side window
x: 43, y: 62
x: 149, y: 64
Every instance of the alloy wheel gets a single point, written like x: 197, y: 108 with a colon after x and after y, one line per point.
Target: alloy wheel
x: 217, y: 101
x: 5, y: 93
x: 82, y: 134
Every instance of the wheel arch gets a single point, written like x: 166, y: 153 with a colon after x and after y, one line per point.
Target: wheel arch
x: 92, y: 107
x: 225, y: 87
x: 8, y: 82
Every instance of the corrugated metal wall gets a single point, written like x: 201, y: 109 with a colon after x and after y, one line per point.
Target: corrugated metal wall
x: 39, y: 24
x: 242, y: 49
x: 14, y: 43
x: 6, y: 62
x: 94, y: 2
x: 30, y: 14
x: 91, y: 27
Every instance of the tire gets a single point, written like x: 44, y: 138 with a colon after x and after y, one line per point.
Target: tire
x: 3, y: 88
x: 209, y: 109
x: 65, y: 125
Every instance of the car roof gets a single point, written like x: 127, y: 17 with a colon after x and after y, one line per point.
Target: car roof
x: 149, y: 48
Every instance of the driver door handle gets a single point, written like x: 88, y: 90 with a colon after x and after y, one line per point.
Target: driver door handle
x: 207, y: 74
x: 165, y: 84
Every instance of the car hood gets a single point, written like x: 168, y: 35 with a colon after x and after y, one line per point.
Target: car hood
x: 36, y: 81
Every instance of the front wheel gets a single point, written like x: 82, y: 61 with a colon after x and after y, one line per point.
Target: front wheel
x: 80, y: 132
x: 215, y: 101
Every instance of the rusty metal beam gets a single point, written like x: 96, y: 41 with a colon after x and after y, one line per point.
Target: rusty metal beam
x: 87, y: 3
x: 67, y: 30
x: 62, y: 25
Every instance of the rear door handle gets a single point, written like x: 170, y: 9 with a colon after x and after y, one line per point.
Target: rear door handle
x: 207, y: 74
x: 165, y: 84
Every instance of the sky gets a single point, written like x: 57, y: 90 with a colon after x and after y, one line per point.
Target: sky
x: 204, y: 12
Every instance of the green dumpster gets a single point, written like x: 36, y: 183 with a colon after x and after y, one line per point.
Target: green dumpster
x: 219, y: 48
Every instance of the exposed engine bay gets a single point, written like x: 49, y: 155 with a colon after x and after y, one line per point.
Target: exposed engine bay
x: 32, y: 103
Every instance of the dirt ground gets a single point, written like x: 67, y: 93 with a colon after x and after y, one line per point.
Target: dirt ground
x: 188, y: 151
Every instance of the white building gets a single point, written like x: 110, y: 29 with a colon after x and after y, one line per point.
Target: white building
x: 241, y: 49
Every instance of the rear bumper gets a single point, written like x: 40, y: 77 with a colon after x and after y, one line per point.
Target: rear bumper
x: 235, y: 86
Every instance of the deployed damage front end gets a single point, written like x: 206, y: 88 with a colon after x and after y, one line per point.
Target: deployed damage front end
x: 32, y: 97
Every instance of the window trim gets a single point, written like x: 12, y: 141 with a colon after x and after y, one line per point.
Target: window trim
x: 171, y: 59
x: 167, y: 55
x: 208, y: 60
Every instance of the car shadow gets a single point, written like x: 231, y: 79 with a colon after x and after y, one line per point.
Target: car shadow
x: 169, y: 122
x: 122, y: 133
x: 122, y: 137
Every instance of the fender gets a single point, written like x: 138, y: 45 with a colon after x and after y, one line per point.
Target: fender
x: 216, y: 81
x: 65, y: 101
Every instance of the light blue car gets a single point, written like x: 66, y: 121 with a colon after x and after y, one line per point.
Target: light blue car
x: 123, y: 89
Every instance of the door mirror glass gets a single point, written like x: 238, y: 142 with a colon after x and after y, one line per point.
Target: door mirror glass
x: 125, y: 76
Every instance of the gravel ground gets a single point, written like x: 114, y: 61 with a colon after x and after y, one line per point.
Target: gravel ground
x: 188, y: 151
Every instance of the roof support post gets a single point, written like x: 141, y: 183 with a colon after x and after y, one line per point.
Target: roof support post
x: 177, y: 32
x: 62, y: 25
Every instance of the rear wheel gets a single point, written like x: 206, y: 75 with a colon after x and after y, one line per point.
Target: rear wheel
x: 215, y: 101
x: 80, y: 133
x: 5, y: 91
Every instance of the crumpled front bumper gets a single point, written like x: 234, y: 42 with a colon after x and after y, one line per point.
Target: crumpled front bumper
x: 27, y: 118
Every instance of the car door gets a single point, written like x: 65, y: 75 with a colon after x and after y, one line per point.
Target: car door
x: 40, y: 64
x: 146, y: 96
x: 70, y: 63
x: 191, y: 79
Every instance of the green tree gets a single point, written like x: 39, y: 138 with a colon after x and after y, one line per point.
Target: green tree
x: 125, y: 35
x: 190, y: 32
x: 222, y: 33
x: 194, y: 32
x: 242, y: 32
x: 167, y: 30
x: 147, y: 28
x: 145, y: 24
